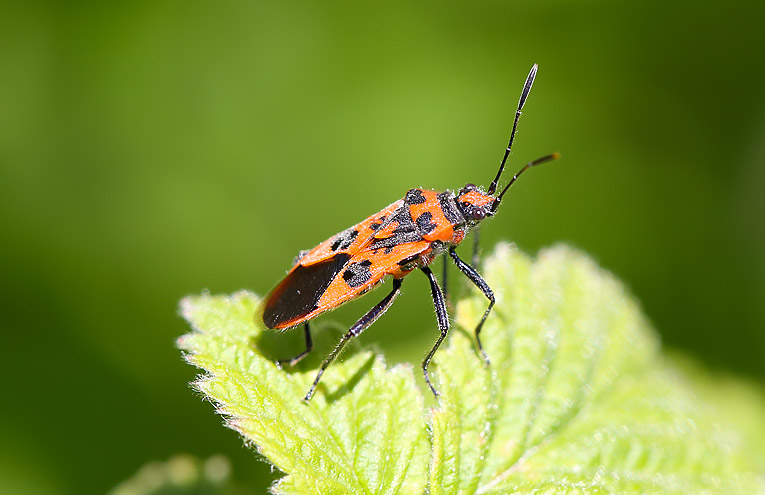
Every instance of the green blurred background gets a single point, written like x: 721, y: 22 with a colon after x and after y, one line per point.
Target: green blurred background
x: 151, y: 150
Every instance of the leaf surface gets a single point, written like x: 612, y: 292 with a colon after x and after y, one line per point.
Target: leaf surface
x: 578, y: 399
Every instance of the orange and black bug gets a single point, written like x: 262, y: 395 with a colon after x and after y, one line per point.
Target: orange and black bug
x: 406, y: 235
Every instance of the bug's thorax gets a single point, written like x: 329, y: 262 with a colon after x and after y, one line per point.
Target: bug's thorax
x: 445, y: 218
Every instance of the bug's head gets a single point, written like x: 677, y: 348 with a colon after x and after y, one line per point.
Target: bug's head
x: 474, y: 204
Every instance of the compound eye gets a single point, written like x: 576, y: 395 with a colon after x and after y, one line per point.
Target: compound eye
x: 478, y: 213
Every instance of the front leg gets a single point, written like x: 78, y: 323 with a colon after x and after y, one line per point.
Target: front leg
x: 479, y: 282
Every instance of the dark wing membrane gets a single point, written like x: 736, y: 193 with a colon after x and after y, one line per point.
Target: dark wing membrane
x: 297, y: 295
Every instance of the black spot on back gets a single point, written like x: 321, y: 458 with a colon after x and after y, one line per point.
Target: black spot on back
x: 403, y: 219
x: 357, y: 273
x: 299, y: 292
x: 344, y: 239
x: 414, y: 197
x: 424, y: 224
x: 405, y: 231
x: 380, y: 221
x: 449, y: 207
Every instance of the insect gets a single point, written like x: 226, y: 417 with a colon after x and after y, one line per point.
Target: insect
x: 407, y: 235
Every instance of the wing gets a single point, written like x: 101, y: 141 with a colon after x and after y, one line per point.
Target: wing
x: 308, y: 291
x: 298, y: 297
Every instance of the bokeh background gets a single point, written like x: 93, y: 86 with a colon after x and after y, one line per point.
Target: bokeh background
x: 153, y: 149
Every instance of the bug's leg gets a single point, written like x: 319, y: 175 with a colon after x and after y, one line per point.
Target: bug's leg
x: 308, y: 346
x: 358, y: 327
x: 444, y: 280
x: 443, y: 323
x: 479, y: 282
x: 476, y: 232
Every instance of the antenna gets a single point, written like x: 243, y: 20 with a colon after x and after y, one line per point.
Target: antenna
x: 538, y: 161
x: 524, y: 94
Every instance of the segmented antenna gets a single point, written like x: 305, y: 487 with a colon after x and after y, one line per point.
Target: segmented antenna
x: 538, y: 161
x: 521, y: 102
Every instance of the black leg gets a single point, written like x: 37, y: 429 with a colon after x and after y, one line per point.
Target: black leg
x: 358, y: 327
x: 444, y: 280
x: 443, y: 323
x: 308, y: 346
x: 479, y: 282
x: 475, y: 259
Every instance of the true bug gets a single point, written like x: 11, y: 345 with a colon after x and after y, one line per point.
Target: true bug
x: 406, y: 235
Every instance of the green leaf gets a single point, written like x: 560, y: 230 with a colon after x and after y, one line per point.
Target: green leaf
x: 577, y: 400
x: 367, y: 439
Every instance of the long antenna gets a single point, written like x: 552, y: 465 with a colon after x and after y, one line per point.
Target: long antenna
x: 538, y: 161
x: 524, y: 94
